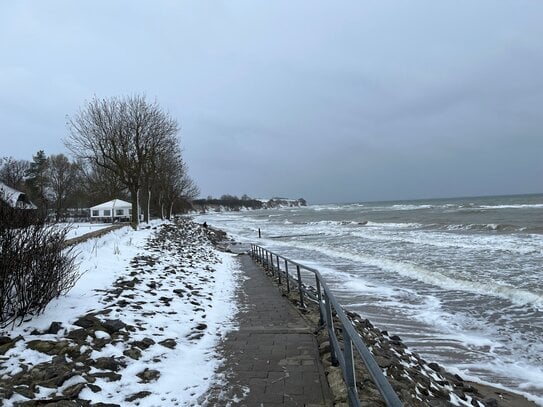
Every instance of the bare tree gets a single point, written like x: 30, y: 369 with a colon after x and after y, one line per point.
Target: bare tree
x: 121, y: 135
x: 173, y: 184
x: 12, y: 172
x: 62, y: 176
x: 100, y: 184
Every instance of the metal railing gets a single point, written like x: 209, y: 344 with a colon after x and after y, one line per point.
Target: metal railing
x: 341, y: 353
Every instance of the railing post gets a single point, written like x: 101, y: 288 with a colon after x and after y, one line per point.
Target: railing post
x: 350, y: 378
x: 330, y: 328
x: 286, y: 275
x: 340, y: 353
x: 300, y: 289
x: 278, y: 269
x: 319, y: 296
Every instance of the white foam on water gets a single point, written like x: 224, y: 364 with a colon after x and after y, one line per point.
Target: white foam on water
x: 524, y: 245
x: 528, y: 378
x: 433, y: 277
x: 532, y: 206
x: 410, y: 207
x: 357, y: 285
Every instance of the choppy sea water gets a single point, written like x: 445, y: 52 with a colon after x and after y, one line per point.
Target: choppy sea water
x: 460, y: 280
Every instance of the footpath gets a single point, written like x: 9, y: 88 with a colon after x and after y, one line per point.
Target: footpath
x: 273, y: 358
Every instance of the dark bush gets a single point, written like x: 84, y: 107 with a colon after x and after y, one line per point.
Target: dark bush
x: 35, y: 265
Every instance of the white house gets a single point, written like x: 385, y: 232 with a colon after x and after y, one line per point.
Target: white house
x: 114, y: 210
x: 14, y: 198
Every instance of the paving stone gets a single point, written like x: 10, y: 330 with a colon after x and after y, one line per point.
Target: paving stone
x: 274, y: 355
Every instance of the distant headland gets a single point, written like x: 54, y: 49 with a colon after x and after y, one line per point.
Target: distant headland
x: 233, y: 203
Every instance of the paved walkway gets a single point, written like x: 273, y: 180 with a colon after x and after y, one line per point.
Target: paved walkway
x: 273, y: 359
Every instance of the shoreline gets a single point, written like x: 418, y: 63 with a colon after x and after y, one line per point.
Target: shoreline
x: 464, y: 391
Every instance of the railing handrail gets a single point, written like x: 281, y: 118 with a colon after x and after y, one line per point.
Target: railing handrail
x: 327, y: 303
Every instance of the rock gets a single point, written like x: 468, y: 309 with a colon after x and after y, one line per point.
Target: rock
x: 110, y: 376
x: 4, y: 340
x: 87, y: 321
x: 7, y: 346
x: 324, y: 347
x: 24, y: 391
x: 133, y: 353
x: 458, y: 378
x: 73, y: 391
x: 51, y: 375
x: 48, y: 347
x: 107, y: 363
x: 195, y: 336
x: 383, y: 362
x: 94, y: 388
x: 139, y: 395
x: 5, y: 392
x: 8, y: 343
x: 55, y: 402
x: 490, y: 402
x: 435, y: 367
x: 113, y: 325
x: 79, y: 335
x: 168, y: 343
x: 148, y: 375
x: 144, y: 343
x: 470, y: 389
x: 54, y: 328
x: 99, y: 343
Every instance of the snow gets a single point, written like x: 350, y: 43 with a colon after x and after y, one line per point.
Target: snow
x: 187, y: 370
x: 113, y: 204
x: 80, y: 228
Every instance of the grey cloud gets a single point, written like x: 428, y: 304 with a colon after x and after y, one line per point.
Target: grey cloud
x: 339, y: 101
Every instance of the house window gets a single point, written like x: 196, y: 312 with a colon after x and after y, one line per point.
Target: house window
x: 119, y: 212
x: 107, y: 212
x: 130, y: 211
x: 95, y: 213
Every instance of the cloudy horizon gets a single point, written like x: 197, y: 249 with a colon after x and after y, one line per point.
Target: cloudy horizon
x: 333, y: 102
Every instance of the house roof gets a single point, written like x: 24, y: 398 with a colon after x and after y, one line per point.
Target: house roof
x: 114, y: 203
x: 14, y: 198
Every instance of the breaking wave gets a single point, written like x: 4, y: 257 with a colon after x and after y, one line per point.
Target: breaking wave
x: 436, y: 278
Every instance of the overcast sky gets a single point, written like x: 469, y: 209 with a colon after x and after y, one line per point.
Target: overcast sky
x: 336, y: 101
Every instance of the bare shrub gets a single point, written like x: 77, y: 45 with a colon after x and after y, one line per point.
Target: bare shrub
x: 35, y: 265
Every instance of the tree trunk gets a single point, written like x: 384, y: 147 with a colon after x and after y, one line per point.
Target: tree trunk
x: 134, y: 198
x: 161, y: 203
x: 148, y: 205
x: 171, y: 210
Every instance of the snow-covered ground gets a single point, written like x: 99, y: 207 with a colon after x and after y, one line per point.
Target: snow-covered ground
x: 139, y: 328
x: 77, y: 229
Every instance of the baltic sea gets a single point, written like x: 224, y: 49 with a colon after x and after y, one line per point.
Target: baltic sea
x: 460, y: 280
